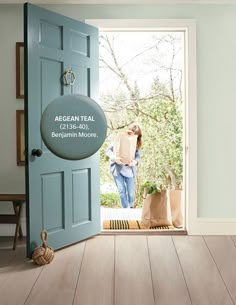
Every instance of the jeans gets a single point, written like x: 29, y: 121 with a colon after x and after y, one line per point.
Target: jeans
x: 125, y: 186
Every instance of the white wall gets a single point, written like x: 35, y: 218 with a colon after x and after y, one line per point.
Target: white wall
x: 11, y: 175
x: 216, y: 66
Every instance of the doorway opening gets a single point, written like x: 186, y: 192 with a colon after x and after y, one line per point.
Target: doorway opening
x: 142, y: 80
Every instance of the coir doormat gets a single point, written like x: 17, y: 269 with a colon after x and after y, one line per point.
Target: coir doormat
x: 130, y: 225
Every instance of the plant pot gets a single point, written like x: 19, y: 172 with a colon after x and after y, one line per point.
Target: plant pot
x: 176, y: 207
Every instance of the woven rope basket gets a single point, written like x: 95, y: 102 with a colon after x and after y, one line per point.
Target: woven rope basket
x: 44, y: 254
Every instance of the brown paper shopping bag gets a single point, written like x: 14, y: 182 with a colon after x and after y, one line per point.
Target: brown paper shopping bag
x: 176, y: 207
x: 125, y: 147
x: 155, y: 210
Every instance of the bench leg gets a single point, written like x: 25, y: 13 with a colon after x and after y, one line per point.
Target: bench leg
x: 18, y: 231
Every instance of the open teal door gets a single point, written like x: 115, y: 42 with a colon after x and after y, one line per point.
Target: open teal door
x: 62, y: 195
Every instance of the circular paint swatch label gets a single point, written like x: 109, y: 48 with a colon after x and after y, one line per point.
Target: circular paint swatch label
x: 73, y: 127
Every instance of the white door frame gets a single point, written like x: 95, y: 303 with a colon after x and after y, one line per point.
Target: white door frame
x: 188, y: 26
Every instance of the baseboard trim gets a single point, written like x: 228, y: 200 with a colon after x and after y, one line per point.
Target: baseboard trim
x: 212, y: 226
x: 218, y: 220
x: 202, y: 226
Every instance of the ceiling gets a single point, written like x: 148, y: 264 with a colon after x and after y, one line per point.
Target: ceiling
x: 120, y: 1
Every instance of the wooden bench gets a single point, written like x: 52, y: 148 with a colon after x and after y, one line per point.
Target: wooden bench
x: 17, y: 201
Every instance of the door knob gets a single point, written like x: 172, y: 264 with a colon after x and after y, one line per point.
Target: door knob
x: 37, y: 152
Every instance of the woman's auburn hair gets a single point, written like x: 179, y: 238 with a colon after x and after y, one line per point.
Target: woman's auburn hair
x: 137, y: 131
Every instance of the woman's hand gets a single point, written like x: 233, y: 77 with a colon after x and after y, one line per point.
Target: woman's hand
x: 133, y: 163
x: 118, y: 161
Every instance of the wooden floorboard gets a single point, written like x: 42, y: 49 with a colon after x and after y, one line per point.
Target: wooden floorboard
x: 124, y: 270
x: 57, y: 282
x: 20, y: 276
x: 223, y: 251
x: 234, y: 239
x: 133, y: 282
x: 96, y: 280
x: 168, y: 280
x: 201, y: 273
x: 7, y: 256
x: 6, y: 252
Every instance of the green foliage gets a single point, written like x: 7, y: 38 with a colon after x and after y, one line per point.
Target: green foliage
x: 151, y: 188
x: 105, y: 175
x: 111, y: 200
x: 161, y: 163
x: 162, y: 151
x: 160, y: 114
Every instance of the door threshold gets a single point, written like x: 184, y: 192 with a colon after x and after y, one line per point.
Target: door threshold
x: 144, y: 232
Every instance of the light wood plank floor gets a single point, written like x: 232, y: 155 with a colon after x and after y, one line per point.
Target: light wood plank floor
x: 124, y: 270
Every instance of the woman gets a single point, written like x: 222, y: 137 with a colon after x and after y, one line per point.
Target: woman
x: 124, y: 174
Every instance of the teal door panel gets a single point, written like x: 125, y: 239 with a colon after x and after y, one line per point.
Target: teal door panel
x: 62, y: 195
